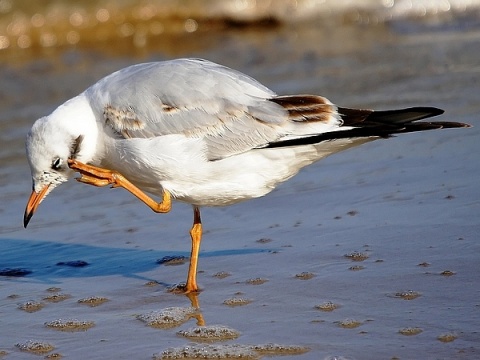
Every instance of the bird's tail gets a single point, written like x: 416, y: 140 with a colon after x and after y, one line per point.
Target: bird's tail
x: 388, y: 122
x: 361, y: 123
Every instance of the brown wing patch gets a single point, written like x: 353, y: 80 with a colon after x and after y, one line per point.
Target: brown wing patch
x: 169, y: 109
x: 122, y: 119
x: 307, y: 108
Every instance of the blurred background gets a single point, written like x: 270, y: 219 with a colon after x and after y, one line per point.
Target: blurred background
x: 413, y: 199
x: 142, y: 24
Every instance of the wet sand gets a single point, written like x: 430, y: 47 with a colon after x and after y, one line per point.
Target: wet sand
x: 372, y: 253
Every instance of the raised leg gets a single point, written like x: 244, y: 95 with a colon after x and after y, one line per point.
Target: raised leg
x: 196, y: 235
x: 96, y: 176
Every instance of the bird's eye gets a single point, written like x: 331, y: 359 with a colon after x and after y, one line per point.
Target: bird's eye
x: 57, y: 164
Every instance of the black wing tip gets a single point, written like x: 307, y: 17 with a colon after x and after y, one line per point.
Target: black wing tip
x: 423, y: 112
x: 432, y: 111
x: 452, y: 125
x: 406, y: 115
x: 368, y: 118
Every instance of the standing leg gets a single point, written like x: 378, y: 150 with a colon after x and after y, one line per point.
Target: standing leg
x: 196, y: 235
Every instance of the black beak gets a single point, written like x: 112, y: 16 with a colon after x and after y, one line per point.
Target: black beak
x: 32, y: 204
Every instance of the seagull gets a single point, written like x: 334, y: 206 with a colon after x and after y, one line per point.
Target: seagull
x: 198, y: 132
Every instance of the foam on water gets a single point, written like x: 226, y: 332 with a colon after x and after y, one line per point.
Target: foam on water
x: 168, y: 317
x: 93, y: 301
x: 327, y: 306
x: 231, y: 351
x: 237, y: 301
x: 210, y: 333
x: 35, y: 346
x: 70, y: 325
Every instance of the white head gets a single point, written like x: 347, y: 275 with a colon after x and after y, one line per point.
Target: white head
x: 67, y: 133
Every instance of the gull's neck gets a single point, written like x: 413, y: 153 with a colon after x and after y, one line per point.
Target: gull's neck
x: 77, y: 118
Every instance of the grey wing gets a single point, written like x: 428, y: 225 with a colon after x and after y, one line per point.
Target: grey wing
x: 230, y: 111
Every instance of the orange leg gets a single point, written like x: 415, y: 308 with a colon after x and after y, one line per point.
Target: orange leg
x: 196, y: 235
x: 96, y: 176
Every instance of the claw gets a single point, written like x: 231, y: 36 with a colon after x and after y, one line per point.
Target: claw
x: 73, y: 164
x: 93, y: 176
x: 91, y: 180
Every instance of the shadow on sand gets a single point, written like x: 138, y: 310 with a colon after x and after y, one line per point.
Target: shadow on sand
x: 45, y: 261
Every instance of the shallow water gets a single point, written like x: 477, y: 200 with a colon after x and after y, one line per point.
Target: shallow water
x: 410, y: 204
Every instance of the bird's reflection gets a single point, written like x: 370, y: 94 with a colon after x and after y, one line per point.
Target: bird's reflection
x: 194, y: 301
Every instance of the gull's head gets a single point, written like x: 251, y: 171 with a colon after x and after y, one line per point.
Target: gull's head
x: 51, y: 141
